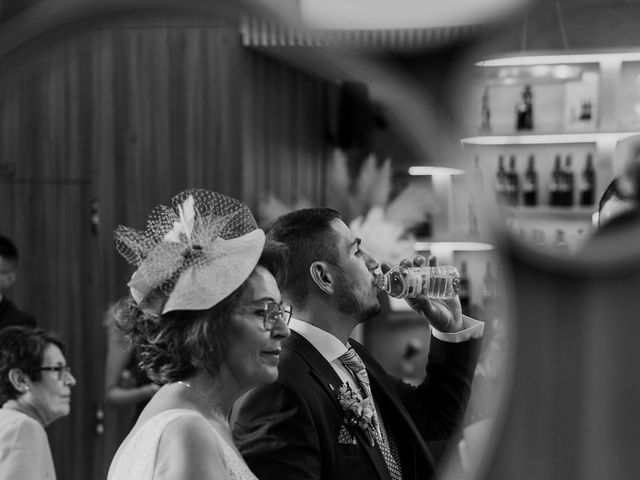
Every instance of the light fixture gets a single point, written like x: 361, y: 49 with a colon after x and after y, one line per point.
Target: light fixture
x: 418, y: 14
x: 516, y: 74
x: 513, y: 71
x: 546, y: 139
x: 580, y: 58
x: 429, y: 170
x: 453, y: 246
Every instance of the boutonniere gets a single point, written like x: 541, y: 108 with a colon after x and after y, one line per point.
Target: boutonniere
x: 358, y: 412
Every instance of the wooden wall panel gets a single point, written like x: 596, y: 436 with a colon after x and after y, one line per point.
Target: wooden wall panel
x: 283, y: 132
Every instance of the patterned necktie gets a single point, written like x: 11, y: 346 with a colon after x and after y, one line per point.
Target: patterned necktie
x: 352, y: 361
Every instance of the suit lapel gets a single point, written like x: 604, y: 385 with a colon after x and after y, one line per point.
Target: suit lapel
x: 330, y: 382
x: 321, y: 370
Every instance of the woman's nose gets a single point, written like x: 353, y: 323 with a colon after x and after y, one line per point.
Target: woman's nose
x: 70, y: 379
x: 281, y: 329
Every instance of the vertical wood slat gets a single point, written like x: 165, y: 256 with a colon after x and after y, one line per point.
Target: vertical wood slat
x: 283, y: 116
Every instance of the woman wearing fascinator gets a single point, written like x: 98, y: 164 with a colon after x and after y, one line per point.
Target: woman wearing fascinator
x: 205, y: 320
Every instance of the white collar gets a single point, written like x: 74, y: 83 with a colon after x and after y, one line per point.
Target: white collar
x: 329, y: 346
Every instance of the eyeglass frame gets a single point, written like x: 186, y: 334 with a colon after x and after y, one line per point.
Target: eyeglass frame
x: 269, y: 320
x: 62, y: 370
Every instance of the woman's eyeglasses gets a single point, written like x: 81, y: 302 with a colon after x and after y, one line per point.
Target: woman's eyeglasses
x: 61, y: 369
x: 272, y: 312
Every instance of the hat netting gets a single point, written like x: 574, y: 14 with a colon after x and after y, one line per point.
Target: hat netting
x: 193, y: 231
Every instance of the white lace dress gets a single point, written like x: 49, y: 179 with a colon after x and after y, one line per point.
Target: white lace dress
x: 137, y: 458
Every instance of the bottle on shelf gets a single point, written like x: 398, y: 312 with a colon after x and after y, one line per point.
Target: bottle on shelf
x: 488, y: 285
x: 464, y: 289
x: 567, y: 183
x: 474, y: 231
x: 409, y: 282
x: 501, y: 181
x: 530, y: 184
x: 555, y: 184
x: 537, y: 238
x: 478, y: 180
x: 513, y: 187
x: 485, y: 112
x: 588, y: 183
x: 560, y: 242
x: 524, y: 110
x: 585, y: 110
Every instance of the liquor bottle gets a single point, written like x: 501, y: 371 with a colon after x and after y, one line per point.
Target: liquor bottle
x: 524, y: 110
x: 409, y: 282
x: 555, y: 185
x: 585, y: 110
x: 537, y: 238
x: 478, y: 180
x: 568, y: 183
x: 530, y: 186
x: 588, y: 183
x: 464, y: 289
x: 474, y: 231
x: 501, y: 181
x: 513, y: 187
x: 488, y: 285
x: 485, y: 112
x: 560, y: 242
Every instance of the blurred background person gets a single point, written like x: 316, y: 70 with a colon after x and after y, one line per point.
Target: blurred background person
x: 618, y: 209
x: 126, y: 385
x: 206, y: 320
x: 35, y: 390
x: 9, y: 313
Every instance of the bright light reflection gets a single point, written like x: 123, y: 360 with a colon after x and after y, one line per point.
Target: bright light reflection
x: 434, y: 171
x: 453, y: 246
x: 383, y: 14
x: 553, y: 138
x: 559, y: 59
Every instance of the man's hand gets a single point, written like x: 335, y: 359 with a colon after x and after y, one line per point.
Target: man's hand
x: 443, y: 315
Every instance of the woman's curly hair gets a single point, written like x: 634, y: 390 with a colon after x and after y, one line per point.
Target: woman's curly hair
x: 176, y: 344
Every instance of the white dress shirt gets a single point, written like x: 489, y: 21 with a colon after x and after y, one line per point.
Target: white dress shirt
x: 331, y: 348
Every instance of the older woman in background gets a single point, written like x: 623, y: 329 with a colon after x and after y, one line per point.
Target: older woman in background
x: 206, y: 320
x: 35, y: 390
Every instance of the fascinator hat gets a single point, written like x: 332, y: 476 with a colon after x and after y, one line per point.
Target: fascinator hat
x: 193, y: 254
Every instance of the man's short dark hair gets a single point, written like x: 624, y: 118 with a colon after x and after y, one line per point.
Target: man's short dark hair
x: 8, y: 249
x: 308, y: 235
x: 23, y: 348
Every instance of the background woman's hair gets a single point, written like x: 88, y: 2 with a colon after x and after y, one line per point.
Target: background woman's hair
x: 176, y: 344
x: 23, y: 348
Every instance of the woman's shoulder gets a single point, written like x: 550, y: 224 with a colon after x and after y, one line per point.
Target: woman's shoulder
x: 20, y: 426
x: 191, y: 447
x: 186, y: 426
x: 10, y: 417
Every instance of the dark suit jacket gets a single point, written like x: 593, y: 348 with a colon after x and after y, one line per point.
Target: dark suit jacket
x: 11, y: 316
x: 290, y: 429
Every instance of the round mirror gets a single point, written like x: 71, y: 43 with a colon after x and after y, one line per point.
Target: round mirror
x: 107, y: 110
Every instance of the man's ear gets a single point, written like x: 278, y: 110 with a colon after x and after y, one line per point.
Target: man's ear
x: 20, y: 380
x: 322, y: 276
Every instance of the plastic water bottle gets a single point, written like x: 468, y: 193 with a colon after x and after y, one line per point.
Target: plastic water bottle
x: 409, y: 282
